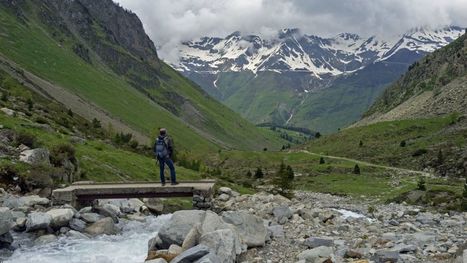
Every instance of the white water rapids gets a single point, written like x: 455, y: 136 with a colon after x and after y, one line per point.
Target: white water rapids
x: 128, y: 247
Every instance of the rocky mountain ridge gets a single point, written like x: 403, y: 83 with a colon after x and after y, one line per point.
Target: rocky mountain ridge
x: 294, y: 51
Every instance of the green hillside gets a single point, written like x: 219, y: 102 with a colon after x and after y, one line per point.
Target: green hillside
x: 147, y: 95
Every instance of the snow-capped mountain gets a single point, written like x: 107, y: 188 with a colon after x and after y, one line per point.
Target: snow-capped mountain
x: 293, y: 51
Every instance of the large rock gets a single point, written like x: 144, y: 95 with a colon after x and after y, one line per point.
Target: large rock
x: 25, y: 201
x: 313, y: 242
x: 77, y: 224
x: 45, y: 239
x: 35, y: 156
x: 176, y: 229
x: 60, y: 217
x: 38, y: 220
x: 90, y: 217
x: 8, y: 112
x: 250, y: 228
x: 5, y: 220
x: 223, y: 243
x: 209, y: 258
x: 191, y: 255
x: 212, y: 222
x: 131, y: 205
x: 318, y: 254
x: 109, y: 210
x: 103, y: 226
x: 386, y: 256
x: 155, y: 205
x: 282, y: 214
x: 192, y: 238
x: 6, y: 240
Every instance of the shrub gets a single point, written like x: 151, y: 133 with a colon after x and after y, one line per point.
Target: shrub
x: 4, y: 96
x: 249, y: 174
x: 419, y: 152
x: 440, y: 157
x: 259, y: 173
x: 321, y: 160
x: 30, y: 104
x: 282, y: 180
x: 62, y: 152
x: 356, y: 169
x: 27, y: 139
x: 317, y: 135
x: 360, y: 144
x: 421, y: 184
x: 403, y: 143
x: 96, y: 124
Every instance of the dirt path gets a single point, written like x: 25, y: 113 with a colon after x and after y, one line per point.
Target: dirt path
x: 408, y: 171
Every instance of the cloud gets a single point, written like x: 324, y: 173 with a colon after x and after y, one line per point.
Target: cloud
x: 168, y: 22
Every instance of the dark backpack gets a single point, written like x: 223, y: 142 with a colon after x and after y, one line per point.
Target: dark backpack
x: 160, y: 149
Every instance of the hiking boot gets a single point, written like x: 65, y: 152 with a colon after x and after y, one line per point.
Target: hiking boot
x: 163, y: 183
x: 174, y: 183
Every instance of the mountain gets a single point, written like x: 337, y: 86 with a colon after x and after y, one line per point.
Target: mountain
x: 304, y: 80
x: 94, y: 57
x: 434, y: 86
x: 419, y: 122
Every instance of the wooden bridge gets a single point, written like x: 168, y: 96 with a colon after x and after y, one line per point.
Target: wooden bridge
x: 83, y: 193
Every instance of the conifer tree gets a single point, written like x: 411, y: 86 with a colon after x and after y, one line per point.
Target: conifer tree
x: 356, y: 169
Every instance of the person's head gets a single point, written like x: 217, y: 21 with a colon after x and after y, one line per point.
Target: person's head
x: 162, y: 131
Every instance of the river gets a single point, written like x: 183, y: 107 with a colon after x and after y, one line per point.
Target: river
x: 129, y: 246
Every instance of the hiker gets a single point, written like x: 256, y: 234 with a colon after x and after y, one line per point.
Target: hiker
x: 163, y: 149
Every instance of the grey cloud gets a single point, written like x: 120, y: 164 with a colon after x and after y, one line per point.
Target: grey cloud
x: 170, y: 21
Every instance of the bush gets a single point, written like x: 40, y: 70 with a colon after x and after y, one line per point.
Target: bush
x: 282, y: 180
x: 4, y: 96
x: 27, y: 139
x: 403, y: 143
x: 259, y: 173
x: 419, y: 152
x: 360, y: 144
x: 317, y: 135
x: 249, y: 174
x: 96, y: 124
x: 421, y: 184
x: 321, y: 160
x: 61, y: 153
x: 356, y: 169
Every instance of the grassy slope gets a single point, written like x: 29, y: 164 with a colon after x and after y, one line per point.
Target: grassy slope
x: 381, y: 141
x: 31, y: 47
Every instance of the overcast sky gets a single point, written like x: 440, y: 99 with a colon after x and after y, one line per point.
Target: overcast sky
x: 168, y: 22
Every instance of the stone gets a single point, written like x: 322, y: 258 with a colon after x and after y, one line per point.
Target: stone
x: 77, y: 224
x: 20, y: 224
x: 76, y: 235
x: 223, y: 197
x: 103, y: 226
x: 60, y: 217
x: 350, y: 253
x: 162, y: 253
x: 313, y: 242
x: 212, y: 222
x: 175, y: 249
x: 191, y: 255
x: 192, y: 238
x: 225, y: 190
x: 45, y: 239
x: 6, y: 220
x: 155, y: 205
x: 108, y: 210
x: 157, y: 260
x: 386, y: 257
x: 130, y: 205
x: 90, y: 217
x: 37, y: 221
x: 424, y: 237
x: 249, y: 227
x: 8, y: 112
x: 36, y: 156
x: 6, y: 240
x: 25, y: 201
x: 276, y: 231
x: 209, y: 258
x: 282, y: 214
x: 315, y: 254
x: 154, y: 243
x: 177, y: 228
x: 223, y: 243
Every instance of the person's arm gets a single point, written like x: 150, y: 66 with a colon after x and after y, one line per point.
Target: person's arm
x: 170, y: 146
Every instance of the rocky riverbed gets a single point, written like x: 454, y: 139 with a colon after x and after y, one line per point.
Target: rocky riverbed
x: 241, y: 228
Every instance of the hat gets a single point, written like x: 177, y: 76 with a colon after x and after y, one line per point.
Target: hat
x: 162, y: 131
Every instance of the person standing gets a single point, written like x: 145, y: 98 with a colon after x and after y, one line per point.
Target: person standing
x: 163, y: 150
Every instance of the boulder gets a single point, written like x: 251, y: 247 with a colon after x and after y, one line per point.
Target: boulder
x: 192, y: 238
x: 6, y: 240
x: 130, y: 205
x: 20, y: 224
x: 77, y: 224
x: 25, y: 201
x: 313, y: 242
x: 155, y: 205
x: 108, y: 210
x: 76, y: 235
x: 8, y: 112
x: 212, y: 222
x: 157, y: 260
x: 90, y: 217
x: 223, y: 197
x: 209, y: 258
x: 60, y: 217
x: 249, y: 227
x: 318, y: 254
x: 223, y: 243
x: 386, y: 256
x: 191, y: 255
x: 38, y: 220
x: 35, y: 156
x: 45, y: 239
x: 175, y: 249
x: 225, y: 190
x: 177, y: 228
x: 6, y: 220
x: 282, y: 214
x: 103, y: 226
x: 276, y: 231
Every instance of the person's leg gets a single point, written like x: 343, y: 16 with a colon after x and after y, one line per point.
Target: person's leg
x: 170, y: 164
x: 161, y: 170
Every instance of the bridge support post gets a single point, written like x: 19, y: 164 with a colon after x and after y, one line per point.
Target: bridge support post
x: 202, y: 199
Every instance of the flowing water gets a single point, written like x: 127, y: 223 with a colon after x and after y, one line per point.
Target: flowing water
x: 128, y: 247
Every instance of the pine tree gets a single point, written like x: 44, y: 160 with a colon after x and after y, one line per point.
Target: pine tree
x: 290, y: 173
x: 259, y: 173
x: 356, y: 169
x: 282, y: 180
x: 440, y: 158
x: 403, y: 143
x: 321, y: 160
x: 421, y: 184
x: 360, y: 144
x: 317, y: 135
